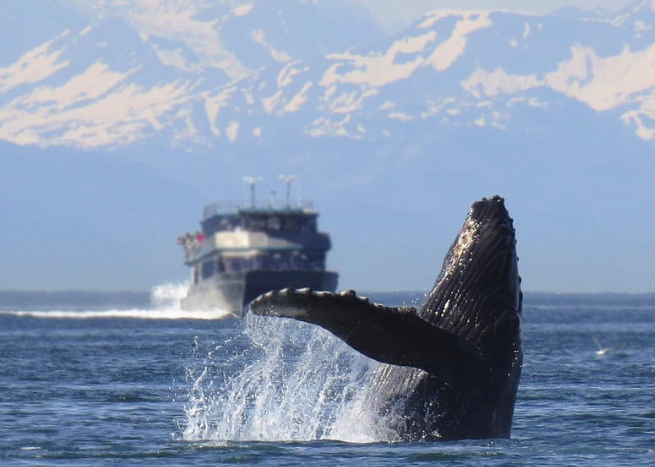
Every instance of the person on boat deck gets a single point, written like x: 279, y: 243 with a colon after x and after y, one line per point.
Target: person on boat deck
x: 190, y: 240
x: 200, y: 237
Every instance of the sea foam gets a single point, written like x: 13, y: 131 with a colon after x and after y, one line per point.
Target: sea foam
x: 164, y: 305
x: 294, y: 382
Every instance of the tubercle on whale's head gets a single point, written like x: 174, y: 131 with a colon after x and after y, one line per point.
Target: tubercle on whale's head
x: 487, y: 226
x: 493, y: 213
x: 479, y: 280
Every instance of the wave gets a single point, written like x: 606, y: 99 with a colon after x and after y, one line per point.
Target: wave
x: 164, y: 305
x: 132, y: 314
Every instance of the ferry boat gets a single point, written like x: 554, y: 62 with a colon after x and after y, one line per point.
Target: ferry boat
x: 245, y: 250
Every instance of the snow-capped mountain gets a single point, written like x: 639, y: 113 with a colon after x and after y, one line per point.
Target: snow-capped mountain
x: 201, y: 73
x: 120, y: 120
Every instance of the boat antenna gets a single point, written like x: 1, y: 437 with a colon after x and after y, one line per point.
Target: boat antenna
x: 252, y: 181
x: 288, y: 179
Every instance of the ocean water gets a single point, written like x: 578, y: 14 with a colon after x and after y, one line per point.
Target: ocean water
x: 156, y: 386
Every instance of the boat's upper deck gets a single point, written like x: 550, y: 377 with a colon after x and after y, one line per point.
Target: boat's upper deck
x: 230, y: 217
x: 229, y: 229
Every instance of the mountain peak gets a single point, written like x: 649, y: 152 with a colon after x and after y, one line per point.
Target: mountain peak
x: 212, y: 73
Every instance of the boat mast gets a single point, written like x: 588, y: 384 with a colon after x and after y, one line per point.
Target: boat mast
x: 252, y: 181
x: 288, y: 179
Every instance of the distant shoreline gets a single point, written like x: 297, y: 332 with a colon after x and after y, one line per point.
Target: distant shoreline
x: 543, y: 298
x: 74, y: 299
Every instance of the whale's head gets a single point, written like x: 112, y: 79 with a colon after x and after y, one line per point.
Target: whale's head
x: 477, y: 295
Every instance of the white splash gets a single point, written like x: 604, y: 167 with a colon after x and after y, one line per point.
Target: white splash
x: 165, y: 305
x: 290, y: 382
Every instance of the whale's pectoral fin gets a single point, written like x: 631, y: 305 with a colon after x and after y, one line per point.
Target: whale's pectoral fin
x: 389, y: 335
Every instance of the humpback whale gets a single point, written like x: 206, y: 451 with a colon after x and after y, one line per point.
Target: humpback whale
x: 450, y: 369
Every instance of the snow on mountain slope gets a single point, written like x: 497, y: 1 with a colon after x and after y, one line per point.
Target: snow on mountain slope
x: 88, y: 88
x: 203, y: 73
x: 180, y: 33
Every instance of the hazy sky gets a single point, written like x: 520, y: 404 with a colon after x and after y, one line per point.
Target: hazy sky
x: 577, y: 180
x: 395, y: 14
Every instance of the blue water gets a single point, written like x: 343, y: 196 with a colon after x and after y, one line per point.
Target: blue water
x: 148, y: 387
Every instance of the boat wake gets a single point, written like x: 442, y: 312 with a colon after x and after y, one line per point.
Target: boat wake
x: 164, y: 305
x: 281, y: 381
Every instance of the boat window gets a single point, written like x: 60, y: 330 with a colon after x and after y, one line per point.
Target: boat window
x: 246, y: 264
x: 273, y: 223
x: 316, y: 261
x: 309, y: 224
x: 291, y: 223
x: 220, y: 265
x: 226, y: 224
x: 207, y: 269
x: 257, y: 224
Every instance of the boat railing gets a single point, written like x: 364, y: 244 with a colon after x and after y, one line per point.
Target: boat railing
x: 196, y: 249
x: 233, y: 207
